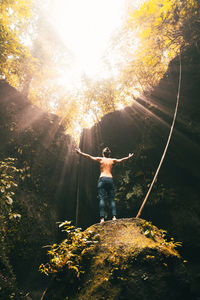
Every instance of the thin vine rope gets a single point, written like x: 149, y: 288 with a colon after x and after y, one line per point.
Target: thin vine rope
x: 167, y: 144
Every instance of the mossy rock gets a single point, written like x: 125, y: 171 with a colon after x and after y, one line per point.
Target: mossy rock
x: 131, y: 261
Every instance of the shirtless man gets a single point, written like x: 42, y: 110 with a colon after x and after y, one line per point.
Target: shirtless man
x: 105, y: 183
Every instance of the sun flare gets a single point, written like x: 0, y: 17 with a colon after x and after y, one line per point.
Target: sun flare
x: 85, y: 27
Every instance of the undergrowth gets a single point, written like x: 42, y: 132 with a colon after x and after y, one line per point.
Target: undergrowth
x: 151, y: 231
x: 72, y: 254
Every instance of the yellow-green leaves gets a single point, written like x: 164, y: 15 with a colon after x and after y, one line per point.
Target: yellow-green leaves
x: 14, y: 55
x: 71, y: 253
x: 9, y: 178
x: 162, y: 28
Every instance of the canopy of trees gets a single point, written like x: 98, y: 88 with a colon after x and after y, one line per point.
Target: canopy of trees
x: 16, y: 60
x: 32, y: 57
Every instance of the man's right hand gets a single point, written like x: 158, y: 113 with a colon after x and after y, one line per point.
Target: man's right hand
x: 78, y: 150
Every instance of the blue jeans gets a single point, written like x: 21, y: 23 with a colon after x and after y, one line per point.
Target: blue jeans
x: 106, y: 186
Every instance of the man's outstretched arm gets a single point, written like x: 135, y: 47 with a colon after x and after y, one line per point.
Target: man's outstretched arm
x: 87, y: 155
x: 123, y: 159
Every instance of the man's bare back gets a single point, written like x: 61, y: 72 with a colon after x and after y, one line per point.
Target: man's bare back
x: 106, y: 165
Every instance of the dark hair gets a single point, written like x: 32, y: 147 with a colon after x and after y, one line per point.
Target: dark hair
x: 106, y: 152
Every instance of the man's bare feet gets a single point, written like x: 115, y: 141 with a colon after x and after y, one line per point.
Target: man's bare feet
x: 114, y: 218
x: 102, y: 221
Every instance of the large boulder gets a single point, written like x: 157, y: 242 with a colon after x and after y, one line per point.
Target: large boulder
x: 132, y: 260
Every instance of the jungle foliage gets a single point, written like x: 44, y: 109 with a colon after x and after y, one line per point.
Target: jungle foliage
x: 152, y: 35
x: 16, y: 60
x: 158, y: 29
x: 73, y: 254
x: 19, y: 236
x: 43, y: 152
x: 10, y: 177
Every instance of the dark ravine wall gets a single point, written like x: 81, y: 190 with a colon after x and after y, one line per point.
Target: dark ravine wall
x: 45, y: 196
x: 143, y: 129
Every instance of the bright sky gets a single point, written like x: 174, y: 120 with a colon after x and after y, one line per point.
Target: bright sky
x: 86, y: 27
